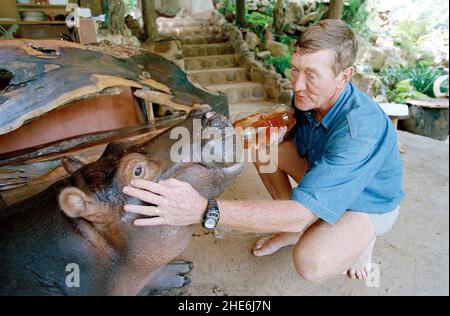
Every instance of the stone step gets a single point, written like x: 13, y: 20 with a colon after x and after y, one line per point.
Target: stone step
x: 210, y: 62
x: 172, y: 23
x: 239, y: 92
x: 218, y: 76
x: 244, y: 109
x: 195, y: 39
x: 207, y: 49
x: 189, y: 30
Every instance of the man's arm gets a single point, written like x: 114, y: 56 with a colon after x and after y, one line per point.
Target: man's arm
x: 265, y: 216
x: 177, y: 203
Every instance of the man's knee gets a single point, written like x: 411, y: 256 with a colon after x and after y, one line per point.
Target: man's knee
x: 311, y: 264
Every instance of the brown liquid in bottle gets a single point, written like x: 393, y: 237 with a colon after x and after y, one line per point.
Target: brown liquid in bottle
x: 256, y: 129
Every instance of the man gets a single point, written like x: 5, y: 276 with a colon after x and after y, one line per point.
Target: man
x: 343, y: 155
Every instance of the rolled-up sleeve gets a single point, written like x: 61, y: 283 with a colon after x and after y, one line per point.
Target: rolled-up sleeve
x: 338, y: 178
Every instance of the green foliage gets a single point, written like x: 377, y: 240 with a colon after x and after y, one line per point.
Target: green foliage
x: 228, y: 6
x: 280, y: 63
x: 421, y: 76
x: 258, y: 22
x: 269, y: 9
x: 322, y: 8
x: 404, y: 90
x: 409, y: 34
x: 130, y: 4
x: 356, y: 15
x: 286, y: 40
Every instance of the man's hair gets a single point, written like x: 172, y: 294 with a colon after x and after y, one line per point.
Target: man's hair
x: 334, y: 35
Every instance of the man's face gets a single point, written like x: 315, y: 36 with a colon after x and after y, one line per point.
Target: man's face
x: 316, y: 86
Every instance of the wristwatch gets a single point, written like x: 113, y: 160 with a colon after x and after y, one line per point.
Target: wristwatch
x: 212, y: 215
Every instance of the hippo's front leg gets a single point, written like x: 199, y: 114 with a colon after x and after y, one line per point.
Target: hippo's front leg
x: 171, y: 276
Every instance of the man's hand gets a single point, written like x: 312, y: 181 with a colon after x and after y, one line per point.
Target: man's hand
x: 277, y: 138
x: 176, y: 203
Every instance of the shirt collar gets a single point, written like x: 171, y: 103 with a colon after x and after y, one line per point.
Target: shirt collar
x: 336, y: 107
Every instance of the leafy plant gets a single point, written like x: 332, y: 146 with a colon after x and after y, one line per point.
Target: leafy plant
x: 228, y: 6
x: 286, y: 40
x: 409, y: 34
x: 404, y: 90
x: 280, y: 63
x: 421, y: 76
x: 356, y: 15
x: 258, y: 22
x: 268, y: 10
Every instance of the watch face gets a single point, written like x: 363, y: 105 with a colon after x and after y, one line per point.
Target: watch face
x: 210, y: 223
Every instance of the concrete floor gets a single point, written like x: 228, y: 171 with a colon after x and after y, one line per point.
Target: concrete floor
x: 413, y: 258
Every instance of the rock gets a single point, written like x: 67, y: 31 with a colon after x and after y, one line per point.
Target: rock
x: 277, y: 49
x: 252, y: 40
x: 118, y: 39
x: 287, y: 73
x: 285, y: 97
x: 252, y: 5
x: 264, y: 54
x: 368, y: 82
x: 371, y: 55
x: 168, y: 49
x: 294, y: 13
x: 268, y: 36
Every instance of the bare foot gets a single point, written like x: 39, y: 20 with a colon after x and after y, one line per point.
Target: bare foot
x: 268, y: 245
x: 361, y: 268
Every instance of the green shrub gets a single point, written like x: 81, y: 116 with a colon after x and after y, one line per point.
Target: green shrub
x: 258, y: 22
x: 404, y: 90
x: 409, y: 35
x: 356, y: 15
x: 280, y: 63
x: 421, y: 76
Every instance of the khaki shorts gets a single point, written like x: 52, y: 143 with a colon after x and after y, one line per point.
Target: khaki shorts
x: 382, y: 223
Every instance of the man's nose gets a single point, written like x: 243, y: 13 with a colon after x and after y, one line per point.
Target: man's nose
x: 300, y: 83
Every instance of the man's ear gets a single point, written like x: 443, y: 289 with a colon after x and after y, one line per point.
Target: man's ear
x: 75, y: 203
x: 348, y: 73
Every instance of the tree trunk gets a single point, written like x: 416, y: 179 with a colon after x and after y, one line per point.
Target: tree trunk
x: 336, y: 8
x: 278, y: 16
x: 240, y: 13
x: 149, y: 16
x: 116, y: 18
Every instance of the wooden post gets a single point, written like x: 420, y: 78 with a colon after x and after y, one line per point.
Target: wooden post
x: 336, y: 8
x: 150, y: 113
x: 240, y: 13
x: 149, y: 17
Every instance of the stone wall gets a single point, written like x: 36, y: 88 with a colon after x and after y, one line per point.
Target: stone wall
x: 169, y: 49
x: 277, y: 88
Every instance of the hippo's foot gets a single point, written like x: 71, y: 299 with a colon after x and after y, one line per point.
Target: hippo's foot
x: 172, y: 275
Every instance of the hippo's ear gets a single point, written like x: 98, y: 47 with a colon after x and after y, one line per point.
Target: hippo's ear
x: 75, y: 203
x: 71, y: 164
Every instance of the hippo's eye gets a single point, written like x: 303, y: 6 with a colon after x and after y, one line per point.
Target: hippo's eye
x: 138, y: 171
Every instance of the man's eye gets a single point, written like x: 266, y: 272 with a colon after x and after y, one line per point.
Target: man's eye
x: 138, y: 171
x: 312, y: 77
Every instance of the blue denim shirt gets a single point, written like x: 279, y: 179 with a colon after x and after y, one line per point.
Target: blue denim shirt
x: 354, y: 163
